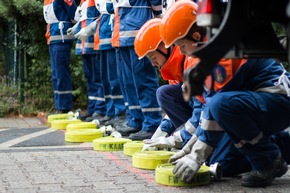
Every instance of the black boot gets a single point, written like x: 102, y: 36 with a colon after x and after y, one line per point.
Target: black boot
x: 105, y: 119
x: 141, y: 135
x: 84, y: 116
x: 264, y: 178
x: 124, y: 129
x: 93, y: 117
x: 117, y: 120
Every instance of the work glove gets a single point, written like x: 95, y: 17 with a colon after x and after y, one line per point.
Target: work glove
x: 159, y: 133
x: 184, y: 151
x: 165, y: 125
x: 71, y: 30
x: 162, y: 142
x: 158, y: 143
x: 110, y: 131
x: 187, y: 166
x: 87, y: 31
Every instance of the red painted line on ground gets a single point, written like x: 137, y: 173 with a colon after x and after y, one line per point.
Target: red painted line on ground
x: 128, y: 167
x: 147, y: 177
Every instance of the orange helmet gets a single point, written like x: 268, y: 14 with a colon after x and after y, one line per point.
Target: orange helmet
x: 177, y: 21
x: 148, y: 37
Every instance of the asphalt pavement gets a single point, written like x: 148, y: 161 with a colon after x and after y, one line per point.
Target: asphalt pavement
x: 35, y: 158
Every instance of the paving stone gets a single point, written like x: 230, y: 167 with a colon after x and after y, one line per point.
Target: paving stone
x: 87, y: 171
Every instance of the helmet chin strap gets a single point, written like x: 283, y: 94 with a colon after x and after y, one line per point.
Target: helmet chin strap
x: 192, y: 39
x: 164, y: 54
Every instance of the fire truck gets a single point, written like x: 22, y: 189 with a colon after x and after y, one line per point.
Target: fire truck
x: 238, y: 29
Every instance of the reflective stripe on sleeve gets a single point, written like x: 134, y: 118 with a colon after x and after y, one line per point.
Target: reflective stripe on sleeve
x: 128, y: 33
x: 210, y: 125
x: 189, y: 127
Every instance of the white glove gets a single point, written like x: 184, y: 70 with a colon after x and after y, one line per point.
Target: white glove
x: 110, y: 131
x: 160, y: 142
x: 71, y: 115
x: 159, y: 133
x: 96, y: 121
x: 187, y: 166
x: 185, y: 150
x: 87, y: 31
x: 165, y: 124
x: 71, y: 30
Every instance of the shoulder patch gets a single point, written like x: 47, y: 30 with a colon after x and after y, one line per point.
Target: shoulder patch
x: 219, y: 74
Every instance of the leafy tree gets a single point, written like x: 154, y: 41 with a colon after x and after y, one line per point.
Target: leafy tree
x: 30, y: 27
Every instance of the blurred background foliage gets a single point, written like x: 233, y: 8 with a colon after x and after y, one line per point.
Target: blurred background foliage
x: 24, y: 61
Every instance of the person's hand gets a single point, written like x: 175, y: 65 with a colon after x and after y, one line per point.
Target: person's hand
x: 163, y: 129
x: 186, y: 167
x: 184, y: 151
x: 86, y: 32
x: 159, y: 133
x: 159, y: 143
x: 83, y: 34
x: 71, y: 30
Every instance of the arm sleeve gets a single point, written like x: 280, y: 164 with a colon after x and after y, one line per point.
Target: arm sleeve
x: 156, y: 6
x: 209, y: 131
x: 167, y: 126
x: 191, y: 125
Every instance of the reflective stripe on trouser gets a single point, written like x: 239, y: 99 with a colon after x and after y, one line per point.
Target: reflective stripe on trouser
x: 100, y: 103
x: 61, y: 75
x: 249, y: 118
x: 113, y: 95
x: 89, y: 63
x: 171, y: 101
x: 141, y: 82
x: 120, y: 75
